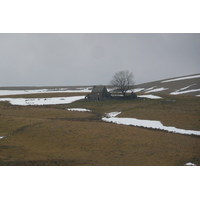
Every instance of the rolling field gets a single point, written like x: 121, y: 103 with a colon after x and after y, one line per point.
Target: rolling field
x: 52, y: 135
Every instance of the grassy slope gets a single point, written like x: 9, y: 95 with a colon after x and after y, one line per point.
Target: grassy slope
x: 194, y: 83
x: 51, y: 135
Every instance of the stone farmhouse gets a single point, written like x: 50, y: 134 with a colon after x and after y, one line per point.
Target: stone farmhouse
x: 98, y: 93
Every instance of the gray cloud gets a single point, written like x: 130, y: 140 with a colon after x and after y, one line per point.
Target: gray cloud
x: 87, y: 59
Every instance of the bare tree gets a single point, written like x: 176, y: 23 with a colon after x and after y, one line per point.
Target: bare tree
x: 123, y: 81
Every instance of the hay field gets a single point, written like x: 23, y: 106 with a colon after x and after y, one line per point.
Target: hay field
x: 52, y: 135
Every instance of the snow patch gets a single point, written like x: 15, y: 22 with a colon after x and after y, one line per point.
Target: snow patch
x: 180, y: 91
x: 60, y: 90
x: 146, y: 124
x: 183, y: 92
x: 150, y: 96
x: 84, y: 90
x: 79, y: 109
x: 183, y: 78
x: 151, y: 88
x: 112, y: 114
x: 138, y: 90
x: 42, y: 101
x: 1, y: 137
x: 157, y: 90
x: 190, y: 164
x: 186, y: 87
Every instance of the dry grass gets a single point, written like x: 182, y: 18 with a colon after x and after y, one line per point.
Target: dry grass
x: 179, y: 111
x: 45, y: 95
x: 51, y: 135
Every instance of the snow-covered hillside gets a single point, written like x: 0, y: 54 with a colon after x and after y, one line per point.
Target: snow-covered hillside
x: 187, y: 85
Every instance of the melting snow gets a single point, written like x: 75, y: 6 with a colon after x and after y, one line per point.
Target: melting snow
x: 183, y: 78
x: 61, y: 90
x: 42, y: 101
x: 111, y: 117
x: 138, y: 90
x: 180, y: 91
x: 150, y: 96
x: 190, y: 164
x: 15, y: 92
x: 157, y: 90
x: 186, y: 87
x: 112, y: 114
x: 183, y: 92
x: 79, y: 109
x: 151, y: 88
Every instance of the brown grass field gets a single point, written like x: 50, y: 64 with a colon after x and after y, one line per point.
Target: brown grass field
x: 51, y: 135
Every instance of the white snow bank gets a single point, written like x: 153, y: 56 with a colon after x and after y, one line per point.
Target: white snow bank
x: 151, y: 88
x: 146, y: 123
x: 138, y: 90
x: 112, y: 114
x: 84, y: 90
x: 42, y: 101
x: 128, y: 91
x: 61, y: 90
x: 1, y: 137
x: 183, y: 92
x: 157, y: 90
x: 79, y: 109
x: 183, y: 78
x: 186, y: 87
x: 15, y: 92
x: 150, y: 96
x: 190, y: 164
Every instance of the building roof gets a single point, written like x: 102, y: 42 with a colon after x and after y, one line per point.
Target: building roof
x: 98, y: 88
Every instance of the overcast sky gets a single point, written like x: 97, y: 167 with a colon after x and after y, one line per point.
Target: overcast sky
x: 92, y: 59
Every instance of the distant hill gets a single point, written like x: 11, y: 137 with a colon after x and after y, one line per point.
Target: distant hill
x: 184, y: 85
